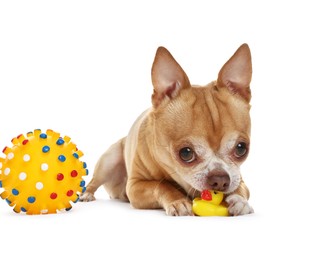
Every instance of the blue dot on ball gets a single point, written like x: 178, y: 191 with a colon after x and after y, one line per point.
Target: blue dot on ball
x: 43, y: 136
x: 60, y: 141
x: 31, y: 199
x: 76, y: 155
x: 45, y: 149
x: 23, y: 209
x: 15, y: 192
x: 62, y: 158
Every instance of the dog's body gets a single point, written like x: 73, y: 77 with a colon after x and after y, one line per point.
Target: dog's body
x: 193, y: 138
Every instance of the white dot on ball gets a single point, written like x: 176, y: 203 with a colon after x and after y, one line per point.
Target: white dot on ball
x: 39, y: 185
x: 26, y: 157
x: 22, y: 176
x: 44, y: 167
x: 44, y: 211
x: 0, y: 165
x: 10, y: 156
x: 7, y: 171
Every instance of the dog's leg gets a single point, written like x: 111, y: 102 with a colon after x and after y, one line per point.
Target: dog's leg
x: 238, y: 201
x: 109, y: 171
x: 158, y: 194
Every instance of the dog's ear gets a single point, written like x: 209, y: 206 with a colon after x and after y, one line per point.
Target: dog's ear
x: 168, y: 77
x: 236, y: 73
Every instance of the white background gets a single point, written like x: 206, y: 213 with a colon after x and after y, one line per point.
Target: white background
x: 82, y: 68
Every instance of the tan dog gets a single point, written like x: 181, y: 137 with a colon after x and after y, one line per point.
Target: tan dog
x: 193, y: 138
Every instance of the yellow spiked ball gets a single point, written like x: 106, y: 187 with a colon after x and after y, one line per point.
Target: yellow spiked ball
x: 42, y: 173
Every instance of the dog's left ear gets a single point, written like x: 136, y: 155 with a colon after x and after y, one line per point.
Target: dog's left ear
x: 168, y: 77
x: 236, y: 73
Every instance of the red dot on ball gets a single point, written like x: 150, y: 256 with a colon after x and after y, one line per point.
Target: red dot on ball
x: 70, y: 193
x: 74, y: 173
x: 53, y: 195
x: 60, y: 176
x: 25, y: 141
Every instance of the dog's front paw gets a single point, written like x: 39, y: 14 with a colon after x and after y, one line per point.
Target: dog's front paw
x: 238, y: 205
x: 86, y: 196
x: 181, y: 207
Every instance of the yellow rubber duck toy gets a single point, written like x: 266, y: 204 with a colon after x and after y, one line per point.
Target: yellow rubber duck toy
x: 209, y: 204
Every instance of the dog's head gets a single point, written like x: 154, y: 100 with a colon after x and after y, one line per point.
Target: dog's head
x: 202, y: 133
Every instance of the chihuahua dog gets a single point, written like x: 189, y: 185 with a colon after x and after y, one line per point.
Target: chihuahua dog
x: 193, y: 138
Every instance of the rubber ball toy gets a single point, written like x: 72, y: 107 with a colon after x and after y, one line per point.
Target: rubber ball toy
x: 42, y: 173
x: 210, y: 204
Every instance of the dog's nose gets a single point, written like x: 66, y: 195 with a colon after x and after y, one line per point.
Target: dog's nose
x: 218, y: 180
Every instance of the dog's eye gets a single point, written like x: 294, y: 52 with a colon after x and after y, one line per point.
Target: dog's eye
x: 187, y: 154
x: 241, y: 150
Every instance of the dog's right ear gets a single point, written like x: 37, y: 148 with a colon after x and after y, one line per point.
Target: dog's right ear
x: 168, y: 77
x: 236, y: 73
